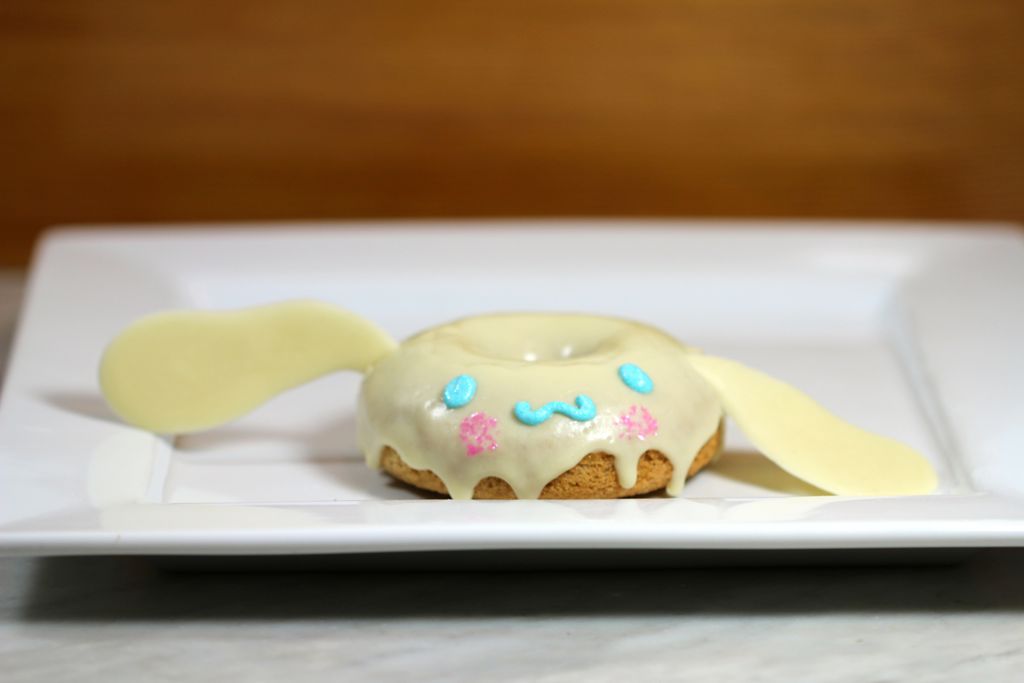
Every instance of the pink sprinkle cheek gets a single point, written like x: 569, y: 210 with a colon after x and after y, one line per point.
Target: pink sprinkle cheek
x: 478, y: 433
x: 637, y: 422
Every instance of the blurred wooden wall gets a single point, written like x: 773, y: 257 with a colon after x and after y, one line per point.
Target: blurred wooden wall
x: 189, y: 110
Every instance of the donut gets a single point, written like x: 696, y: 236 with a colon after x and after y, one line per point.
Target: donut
x: 511, y: 405
x: 538, y: 406
x: 593, y: 477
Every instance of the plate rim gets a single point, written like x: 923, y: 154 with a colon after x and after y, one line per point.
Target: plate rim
x: 966, y: 533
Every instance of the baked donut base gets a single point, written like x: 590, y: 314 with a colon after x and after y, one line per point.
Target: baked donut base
x: 592, y: 477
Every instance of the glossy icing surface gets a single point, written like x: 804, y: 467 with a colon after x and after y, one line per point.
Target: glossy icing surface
x: 539, y: 359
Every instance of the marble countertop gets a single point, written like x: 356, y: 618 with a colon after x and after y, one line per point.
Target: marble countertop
x: 122, y: 619
x: 125, y: 619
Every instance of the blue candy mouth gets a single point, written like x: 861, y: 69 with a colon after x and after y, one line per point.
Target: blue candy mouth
x: 584, y: 410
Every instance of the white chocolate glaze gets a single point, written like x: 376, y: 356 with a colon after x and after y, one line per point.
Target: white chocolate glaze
x: 184, y: 371
x: 806, y: 440
x: 534, y: 394
x: 537, y: 358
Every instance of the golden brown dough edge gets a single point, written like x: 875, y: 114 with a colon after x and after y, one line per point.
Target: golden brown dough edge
x: 592, y: 477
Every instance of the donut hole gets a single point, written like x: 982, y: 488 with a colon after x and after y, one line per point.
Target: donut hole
x: 556, y: 352
x: 539, y: 339
x: 536, y: 350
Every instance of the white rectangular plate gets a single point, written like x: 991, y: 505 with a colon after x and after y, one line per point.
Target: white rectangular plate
x: 910, y: 331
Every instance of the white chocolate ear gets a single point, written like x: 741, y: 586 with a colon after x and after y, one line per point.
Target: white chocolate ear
x: 807, y: 441
x: 186, y: 371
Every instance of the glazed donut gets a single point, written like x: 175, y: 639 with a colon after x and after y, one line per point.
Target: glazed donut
x: 548, y: 405
x: 500, y: 406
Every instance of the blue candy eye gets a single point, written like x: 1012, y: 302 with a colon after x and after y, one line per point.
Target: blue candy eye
x: 459, y: 391
x: 635, y: 378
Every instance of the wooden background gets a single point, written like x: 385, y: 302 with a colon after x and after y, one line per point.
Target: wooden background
x: 251, y: 109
